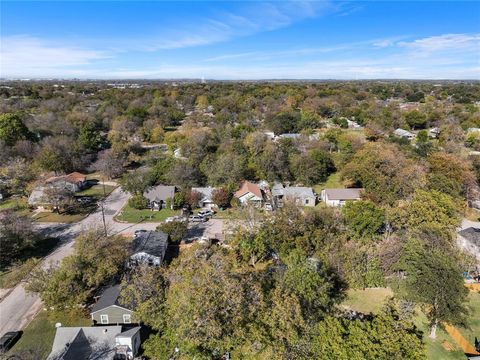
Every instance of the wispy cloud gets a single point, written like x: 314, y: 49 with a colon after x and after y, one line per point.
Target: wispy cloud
x: 26, y: 54
x: 252, y: 18
x: 447, y: 42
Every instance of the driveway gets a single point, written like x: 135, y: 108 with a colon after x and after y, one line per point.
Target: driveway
x: 17, y: 308
x: 212, y: 229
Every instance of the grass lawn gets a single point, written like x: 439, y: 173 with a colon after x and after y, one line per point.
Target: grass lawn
x: 473, y: 328
x: 37, y: 338
x: 132, y: 215
x: 96, y: 191
x: 435, y: 348
x: 332, y: 182
x: 17, y: 204
x: 369, y: 300
x: 58, y: 218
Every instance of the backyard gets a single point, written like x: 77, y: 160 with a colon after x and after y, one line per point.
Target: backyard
x: 443, y: 347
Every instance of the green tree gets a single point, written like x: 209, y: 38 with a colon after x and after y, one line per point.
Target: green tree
x: 176, y: 230
x: 434, y: 280
x: 313, y: 167
x: 364, y: 219
x: 384, y: 336
x: 135, y: 182
x: 13, y: 129
x: 96, y: 260
x: 416, y: 119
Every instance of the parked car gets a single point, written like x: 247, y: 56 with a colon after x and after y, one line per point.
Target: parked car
x: 197, y: 218
x: 8, y: 340
x: 206, y: 213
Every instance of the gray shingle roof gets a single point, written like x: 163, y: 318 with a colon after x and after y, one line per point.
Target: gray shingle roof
x: 471, y: 234
x: 160, y: 193
x: 151, y: 242
x: 77, y: 343
x: 298, y: 192
x: 109, y: 297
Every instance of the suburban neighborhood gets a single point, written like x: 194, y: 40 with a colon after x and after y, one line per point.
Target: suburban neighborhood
x: 245, y: 180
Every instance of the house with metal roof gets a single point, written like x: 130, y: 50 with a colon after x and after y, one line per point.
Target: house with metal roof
x: 338, y: 197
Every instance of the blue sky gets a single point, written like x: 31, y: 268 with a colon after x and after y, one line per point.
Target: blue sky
x: 241, y: 40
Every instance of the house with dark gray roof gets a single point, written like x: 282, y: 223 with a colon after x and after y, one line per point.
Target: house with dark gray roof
x: 107, y: 310
x: 338, y: 197
x: 149, y: 248
x: 97, y: 342
x: 158, y: 196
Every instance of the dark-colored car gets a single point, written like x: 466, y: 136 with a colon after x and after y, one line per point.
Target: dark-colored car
x: 8, y: 340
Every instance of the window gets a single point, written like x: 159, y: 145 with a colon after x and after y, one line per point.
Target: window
x: 104, y: 319
x: 127, y: 319
x: 306, y: 201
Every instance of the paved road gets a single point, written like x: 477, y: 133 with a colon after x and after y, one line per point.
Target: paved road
x: 18, y: 308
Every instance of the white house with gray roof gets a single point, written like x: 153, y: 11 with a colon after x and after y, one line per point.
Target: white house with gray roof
x: 299, y: 195
x: 158, y: 196
x: 206, y: 201
x: 338, y: 197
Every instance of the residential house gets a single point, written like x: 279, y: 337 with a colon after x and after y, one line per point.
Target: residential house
x: 158, y: 196
x: 149, y: 248
x: 338, y: 197
x: 97, y: 342
x: 404, y: 134
x: 302, y: 196
x: 206, y: 201
x: 250, y: 193
x: 469, y: 240
x: 74, y: 181
x: 108, y: 311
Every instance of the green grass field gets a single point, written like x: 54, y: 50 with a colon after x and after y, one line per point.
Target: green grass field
x: 332, y: 182
x: 367, y: 301
x: 132, y: 215
x: 48, y: 216
x: 37, y: 338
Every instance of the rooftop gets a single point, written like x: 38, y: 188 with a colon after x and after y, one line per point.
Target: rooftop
x: 74, y: 343
x: 160, y: 193
x: 109, y: 297
x: 343, y: 194
x: 248, y: 186
x: 151, y: 242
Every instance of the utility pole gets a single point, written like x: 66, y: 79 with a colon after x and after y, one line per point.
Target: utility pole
x: 102, y: 207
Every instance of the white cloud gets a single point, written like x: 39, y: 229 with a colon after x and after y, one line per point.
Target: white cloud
x: 444, y: 43
x: 252, y: 18
x: 29, y: 55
